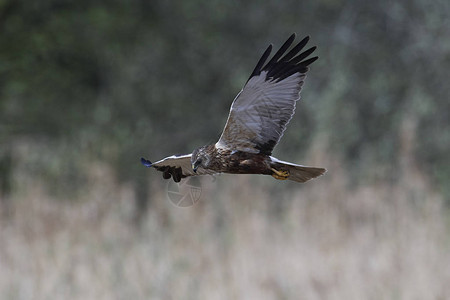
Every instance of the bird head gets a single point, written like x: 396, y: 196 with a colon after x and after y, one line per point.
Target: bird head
x: 200, y: 158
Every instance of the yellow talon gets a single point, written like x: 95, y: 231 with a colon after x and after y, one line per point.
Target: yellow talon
x: 280, y: 175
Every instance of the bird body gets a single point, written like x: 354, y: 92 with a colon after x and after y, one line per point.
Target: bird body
x: 257, y: 120
x: 237, y: 162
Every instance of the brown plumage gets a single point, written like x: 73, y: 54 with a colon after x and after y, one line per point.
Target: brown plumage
x: 258, y: 117
x: 228, y: 161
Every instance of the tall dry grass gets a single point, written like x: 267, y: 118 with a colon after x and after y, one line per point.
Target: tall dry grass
x: 244, y: 240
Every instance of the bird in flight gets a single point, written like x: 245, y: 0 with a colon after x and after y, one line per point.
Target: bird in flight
x: 258, y: 118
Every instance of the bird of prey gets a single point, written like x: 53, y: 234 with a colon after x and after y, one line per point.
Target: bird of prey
x: 258, y: 118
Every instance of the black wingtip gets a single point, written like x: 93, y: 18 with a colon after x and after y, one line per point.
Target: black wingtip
x: 146, y: 162
x: 261, y: 62
x: 310, y: 61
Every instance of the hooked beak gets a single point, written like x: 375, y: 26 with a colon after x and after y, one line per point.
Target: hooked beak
x: 194, y: 168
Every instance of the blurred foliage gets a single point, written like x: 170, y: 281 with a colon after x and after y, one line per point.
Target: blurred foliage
x: 115, y: 80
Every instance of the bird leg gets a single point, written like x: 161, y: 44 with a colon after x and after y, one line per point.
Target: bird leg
x: 280, y: 175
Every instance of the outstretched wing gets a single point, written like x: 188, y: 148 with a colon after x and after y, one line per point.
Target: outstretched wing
x: 260, y: 112
x: 176, y: 166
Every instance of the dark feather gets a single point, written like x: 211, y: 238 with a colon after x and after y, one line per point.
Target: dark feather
x: 280, y: 52
x: 261, y: 62
x: 267, y: 147
x: 280, y: 67
x: 146, y: 162
x: 296, y: 49
x: 302, y: 55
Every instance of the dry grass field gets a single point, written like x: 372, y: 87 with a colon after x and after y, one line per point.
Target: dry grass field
x: 247, y: 238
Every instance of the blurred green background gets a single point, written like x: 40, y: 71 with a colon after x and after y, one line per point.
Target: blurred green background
x: 87, y: 88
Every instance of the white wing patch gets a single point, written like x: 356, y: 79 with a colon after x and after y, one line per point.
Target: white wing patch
x: 180, y: 161
x: 276, y: 160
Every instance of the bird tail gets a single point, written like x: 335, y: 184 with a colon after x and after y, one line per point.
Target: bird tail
x: 297, y: 173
